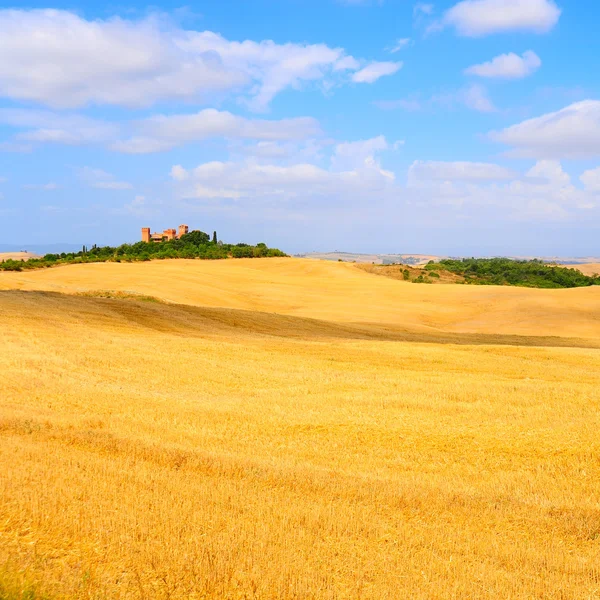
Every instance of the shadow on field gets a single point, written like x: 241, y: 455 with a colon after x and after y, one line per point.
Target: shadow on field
x: 120, y: 310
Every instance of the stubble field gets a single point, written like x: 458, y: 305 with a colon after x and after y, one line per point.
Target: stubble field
x: 286, y: 428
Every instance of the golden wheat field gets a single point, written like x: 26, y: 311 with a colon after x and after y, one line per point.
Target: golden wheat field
x: 295, y: 429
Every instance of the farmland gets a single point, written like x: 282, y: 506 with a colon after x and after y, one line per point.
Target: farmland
x: 288, y: 428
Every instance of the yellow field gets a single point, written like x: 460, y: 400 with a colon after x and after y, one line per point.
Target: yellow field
x: 587, y: 268
x: 16, y: 256
x: 286, y: 428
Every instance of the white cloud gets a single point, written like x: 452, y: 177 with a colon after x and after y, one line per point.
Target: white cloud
x: 543, y: 192
x: 163, y: 132
x: 46, y: 126
x: 591, y: 180
x: 347, y: 63
x: 549, y: 171
x: 355, y: 179
x: 375, y: 70
x: 355, y: 173
x: 154, y: 134
x: 400, y: 44
x: 573, y: 132
x: 97, y: 178
x: 47, y: 187
x: 476, y: 98
x: 473, y: 97
x: 430, y: 171
x: 474, y: 18
x: 71, y: 62
x: 507, y: 66
x: 422, y: 8
x: 362, y: 153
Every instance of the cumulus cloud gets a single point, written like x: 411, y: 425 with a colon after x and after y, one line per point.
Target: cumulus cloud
x: 591, y: 180
x: 97, y: 178
x: 355, y: 178
x: 374, y: 71
x: 163, y: 132
x: 355, y: 173
x: 507, y: 66
x: 429, y: 171
x: 544, y: 192
x: 475, y: 18
x: 350, y: 155
x: 572, y: 132
x: 549, y: 171
x: 70, y: 62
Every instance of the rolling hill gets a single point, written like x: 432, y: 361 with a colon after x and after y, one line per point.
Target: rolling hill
x: 287, y: 428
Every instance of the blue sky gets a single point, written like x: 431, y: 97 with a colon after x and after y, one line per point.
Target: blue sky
x: 469, y: 127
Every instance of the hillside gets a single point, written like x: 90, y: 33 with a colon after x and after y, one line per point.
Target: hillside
x: 378, y: 259
x: 334, y: 292
x: 286, y: 428
x: 17, y: 256
x: 589, y: 269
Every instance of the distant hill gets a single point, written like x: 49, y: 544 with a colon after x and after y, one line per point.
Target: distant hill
x: 17, y: 256
x: 422, y: 259
x: 40, y: 249
x: 378, y: 259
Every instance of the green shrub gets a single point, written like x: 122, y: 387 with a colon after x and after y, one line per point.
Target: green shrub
x: 524, y: 273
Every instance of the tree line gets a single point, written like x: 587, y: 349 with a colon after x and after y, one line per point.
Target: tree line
x: 195, y: 244
x: 505, y: 271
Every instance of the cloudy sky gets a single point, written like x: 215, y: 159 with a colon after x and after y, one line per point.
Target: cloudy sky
x: 468, y: 127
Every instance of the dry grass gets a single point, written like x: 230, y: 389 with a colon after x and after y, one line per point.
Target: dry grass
x: 17, y: 256
x: 589, y: 269
x: 151, y: 450
x: 397, y: 272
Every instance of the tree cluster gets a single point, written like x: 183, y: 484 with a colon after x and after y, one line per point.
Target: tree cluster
x: 505, y: 271
x: 195, y: 244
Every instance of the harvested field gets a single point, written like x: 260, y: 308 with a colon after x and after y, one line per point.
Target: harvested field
x: 17, y: 256
x: 589, y: 269
x: 283, y: 428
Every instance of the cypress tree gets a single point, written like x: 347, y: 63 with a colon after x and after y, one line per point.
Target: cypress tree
x: 214, y: 237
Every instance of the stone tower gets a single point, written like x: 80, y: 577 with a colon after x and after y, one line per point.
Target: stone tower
x: 183, y: 229
x: 146, y: 234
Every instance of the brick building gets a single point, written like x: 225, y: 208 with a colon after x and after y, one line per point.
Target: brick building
x: 165, y: 236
